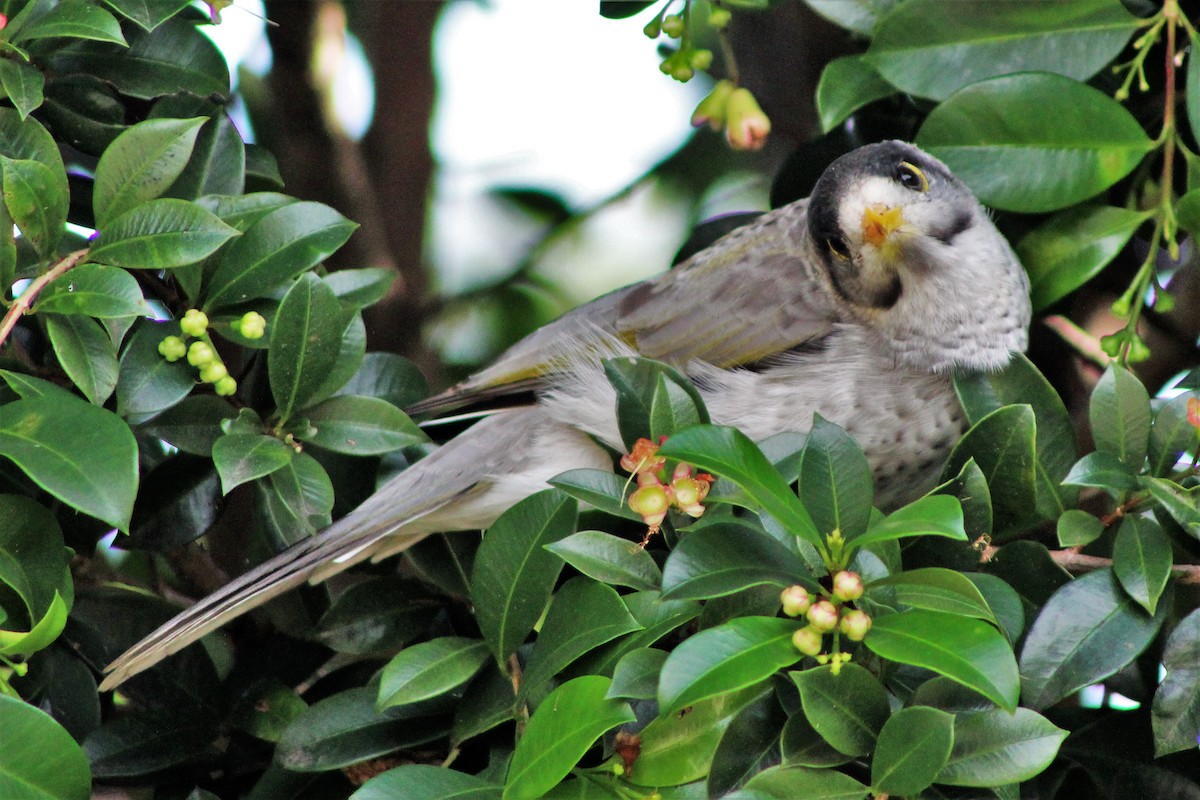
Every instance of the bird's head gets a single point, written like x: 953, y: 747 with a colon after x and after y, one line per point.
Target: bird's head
x: 907, y: 246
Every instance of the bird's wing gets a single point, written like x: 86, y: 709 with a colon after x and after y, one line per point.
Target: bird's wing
x: 748, y: 297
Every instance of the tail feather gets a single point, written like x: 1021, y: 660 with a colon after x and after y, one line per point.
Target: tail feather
x: 448, y: 490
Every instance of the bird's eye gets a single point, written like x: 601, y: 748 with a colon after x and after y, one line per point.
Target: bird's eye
x: 911, y: 177
x: 837, y: 246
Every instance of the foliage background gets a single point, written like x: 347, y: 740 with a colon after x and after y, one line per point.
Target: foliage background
x: 1033, y: 573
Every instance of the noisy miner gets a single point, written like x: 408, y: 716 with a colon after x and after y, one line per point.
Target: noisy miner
x: 857, y: 303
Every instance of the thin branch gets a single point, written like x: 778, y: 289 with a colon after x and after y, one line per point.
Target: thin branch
x: 24, y: 301
x: 1077, y: 563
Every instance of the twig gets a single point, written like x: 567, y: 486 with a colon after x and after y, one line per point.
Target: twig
x: 1077, y: 563
x: 24, y: 301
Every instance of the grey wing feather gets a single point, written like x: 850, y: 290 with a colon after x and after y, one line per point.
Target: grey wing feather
x: 753, y: 294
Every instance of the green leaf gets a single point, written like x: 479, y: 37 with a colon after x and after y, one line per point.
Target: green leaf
x: 430, y: 669
x: 32, y: 564
x: 1104, y: 471
x: 86, y: 353
x: 242, y: 457
x: 271, y: 707
x: 995, y: 747
x: 1072, y: 247
x: 985, y: 38
x: 848, y: 709
x: 160, y: 234
x: 218, y: 162
x: 913, y: 747
x: 361, y: 287
x: 749, y: 744
x: 730, y: 454
x: 147, y: 14
x: 177, y: 57
x: 726, y: 556
x: 561, y: 730
x: 858, y: 16
x: 426, y: 782
x: 147, y: 382
x: 192, y: 425
x: 1175, y: 713
x: 1182, y: 504
x: 388, y: 377
x: 305, y: 341
x: 36, y: 200
x: 345, y: 729
x: 602, y: 489
x: 27, y: 139
x: 583, y: 615
x: 381, y: 613
x: 351, y: 352
x: 1077, y: 528
x: 514, y: 574
x: 789, y: 783
x: 678, y: 748
x: 1088, y: 630
x: 653, y: 399
x: 1142, y: 560
x: 41, y: 636
x: 81, y: 454
x: 94, y: 291
x: 277, y: 247
x: 609, y: 559
x: 1054, y: 437
x: 835, y: 481
x: 1120, y: 416
x: 1187, y: 208
x: 74, y: 19
x: 361, y: 426
x: 297, y: 498
x: 740, y: 653
x: 40, y: 760
x: 1004, y: 447
x: 968, y: 650
x: 996, y: 137
x: 847, y: 84
x: 637, y: 673
x: 1172, y: 434
x: 936, y: 589
x: 141, y: 164
x: 932, y: 515
x: 23, y: 84
x: 802, y: 746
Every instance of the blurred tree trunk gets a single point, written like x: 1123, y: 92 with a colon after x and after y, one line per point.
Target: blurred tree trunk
x: 381, y: 182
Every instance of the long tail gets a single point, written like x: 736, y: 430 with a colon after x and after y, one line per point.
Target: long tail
x: 463, y: 485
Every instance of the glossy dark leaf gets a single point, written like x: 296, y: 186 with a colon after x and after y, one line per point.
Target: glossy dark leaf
x: 362, y: 426
x: 37, y: 201
x: 996, y: 747
x: 86, y: 353
x: 141, y: 164
x: 847, y: 709
x: 743, y: 652
x: 560, y: 731
x: 160, y: 234
x: 1176, y: 709
x: 1142, y: 560
x: 426, y: 782
x: 514, y: 575
x: 1087, y: 631
x: 1003, y: 445
x: 968, y: 650
x: 723, y: 557
x: 847, y: 84
x: 994, y: 138
x: 609, y: 559
x: 653, y: 399
x: 1120, y: 416
x: 305, y: 342
x: 40, y: 760
x: 749, y: 745
x: 913, y: 747
x: 835, y: 481
x: 429, y: 669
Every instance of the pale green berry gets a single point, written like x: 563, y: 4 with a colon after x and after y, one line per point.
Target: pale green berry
x: 847, y: 586
x: 795, y: 600
x: 823, y: 616
x: 194, y: 322
x: 855, y: 625
x: 252, y: 325
x: 172, y: 348
x: 200, y: 353
x: 226, y: 386
x: 213, y: 371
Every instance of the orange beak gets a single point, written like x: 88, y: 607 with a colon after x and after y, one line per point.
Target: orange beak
x: 879, y: 222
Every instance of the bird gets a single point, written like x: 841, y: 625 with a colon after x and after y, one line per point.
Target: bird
x: 858, y: 303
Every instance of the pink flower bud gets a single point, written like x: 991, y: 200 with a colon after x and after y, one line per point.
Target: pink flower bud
x: 823, y: 616
x: 746, y: 126
x: 807, y: 640
x: 855, y: 625
x: 795, y: 600
x: 847, y: 586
